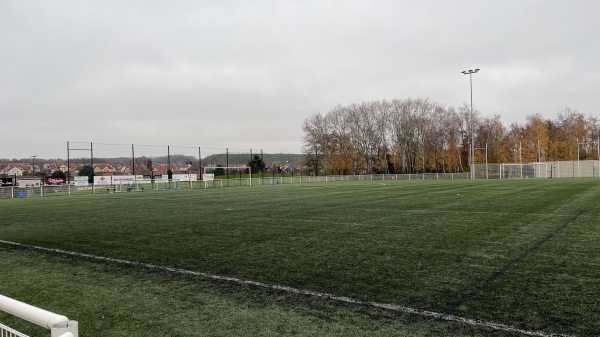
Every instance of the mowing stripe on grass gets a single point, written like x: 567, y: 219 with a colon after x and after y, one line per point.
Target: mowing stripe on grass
x: 510, y: 265
x: 343, y: 299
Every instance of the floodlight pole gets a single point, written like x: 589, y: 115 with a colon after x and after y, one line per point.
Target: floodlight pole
x: 33, y: 164
x: 200, y: 162
x: 471, y: 72
x: 133, y: 160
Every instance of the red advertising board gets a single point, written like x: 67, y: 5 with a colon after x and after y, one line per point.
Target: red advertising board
x: 56, y: 181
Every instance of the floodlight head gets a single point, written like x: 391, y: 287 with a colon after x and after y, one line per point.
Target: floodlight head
x: 476, y: 70
x: 464, y: 72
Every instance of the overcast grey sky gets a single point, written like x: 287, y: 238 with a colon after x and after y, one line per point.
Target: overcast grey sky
x: 245, y: 74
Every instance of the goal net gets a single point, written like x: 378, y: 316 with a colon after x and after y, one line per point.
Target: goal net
x: 225, y: 172
x: 142, y: 185
x: 221, y: 176
x: 521, y: 171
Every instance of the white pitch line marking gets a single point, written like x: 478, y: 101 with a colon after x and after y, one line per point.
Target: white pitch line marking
x: 344, y: 299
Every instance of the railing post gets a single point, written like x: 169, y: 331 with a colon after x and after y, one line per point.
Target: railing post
x: 65, y: 329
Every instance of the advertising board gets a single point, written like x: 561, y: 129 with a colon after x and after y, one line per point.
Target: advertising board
x: 56, y: 181
x: 6, y: 182
x: 29, y: 182
x: 126, y: 179
x: 81, y: 180
x: 186, y: 177
x: 102, y: 180
x: 116, y: 180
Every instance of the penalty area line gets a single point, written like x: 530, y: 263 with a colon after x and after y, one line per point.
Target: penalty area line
x: 337, y: 298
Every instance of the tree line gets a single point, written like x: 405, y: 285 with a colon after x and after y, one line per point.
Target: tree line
x: 419, y: 135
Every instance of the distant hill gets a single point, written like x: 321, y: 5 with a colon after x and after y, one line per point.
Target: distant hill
x: 269, y: 159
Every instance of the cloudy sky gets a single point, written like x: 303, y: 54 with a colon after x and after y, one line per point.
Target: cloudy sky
x: 246, y: 74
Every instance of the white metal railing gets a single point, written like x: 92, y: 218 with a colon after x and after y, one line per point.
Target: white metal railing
x: 564, y: 169
x: 8, y: 332
x: 59, y: 325
x: 149, y: 185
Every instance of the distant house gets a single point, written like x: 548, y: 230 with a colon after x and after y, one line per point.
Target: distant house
x: 16, y: 169
x: 124, y: 169
x: 64, y: 168
x: 163, y: 168
x: 185, y: 168
x: 104, y: 168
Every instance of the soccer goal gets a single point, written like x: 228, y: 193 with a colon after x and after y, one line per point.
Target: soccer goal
x: 149, y: 185
x: 59, y: 325
x: 540, y: 170
x: 226, y: 176
x: 526, y: 170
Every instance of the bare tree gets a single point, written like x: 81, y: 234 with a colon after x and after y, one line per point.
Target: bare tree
x: 316, y: 142
x: 419, y: 135
x: 491, y: 133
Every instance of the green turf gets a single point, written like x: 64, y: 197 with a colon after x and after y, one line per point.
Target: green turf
x: 521, y: 253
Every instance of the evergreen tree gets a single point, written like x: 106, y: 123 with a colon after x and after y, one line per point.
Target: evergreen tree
x: 88, y: 171
x: 256, y: 164
x: 58, y: 174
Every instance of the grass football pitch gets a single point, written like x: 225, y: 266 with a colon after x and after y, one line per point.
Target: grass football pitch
x: 499, y: 258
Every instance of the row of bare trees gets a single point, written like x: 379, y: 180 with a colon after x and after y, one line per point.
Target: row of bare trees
x: 419, y: 135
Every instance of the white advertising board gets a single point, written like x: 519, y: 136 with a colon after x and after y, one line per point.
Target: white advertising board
x: 80, y: 180
x: 102, y: 180
x: 186, y: 177
x: 126, y: 179
x: 29, y: 182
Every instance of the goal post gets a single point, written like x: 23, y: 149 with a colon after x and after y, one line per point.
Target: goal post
x: 210, y: 173
x: 524, y: 171
x: 59, y: 325
x: 540, y: 170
